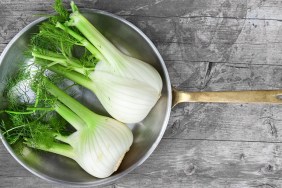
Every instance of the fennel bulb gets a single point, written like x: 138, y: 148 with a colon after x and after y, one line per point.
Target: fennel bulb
x: 117, y: 62
x: 98, y: 145
x: 128, y: 88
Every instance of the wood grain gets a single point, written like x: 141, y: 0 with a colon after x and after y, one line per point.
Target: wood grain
x: 207, y: 46
x: 210, y: 164
x: 198, y: 163
x: 209, y: 39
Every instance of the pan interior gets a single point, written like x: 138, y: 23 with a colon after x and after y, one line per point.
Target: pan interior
x: 147, y: 133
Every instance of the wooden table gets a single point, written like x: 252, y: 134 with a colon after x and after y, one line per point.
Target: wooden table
x: 207, y: 46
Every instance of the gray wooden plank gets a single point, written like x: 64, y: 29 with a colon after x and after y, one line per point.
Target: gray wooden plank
x: 158, y: 8
x: 251, y: 9
x: 241, y: 9
x: 188, y: 163
x: 140, y: 181
x: 215, y: 39
x: 210, y: 76
x: 210, y: 164
x: 194, y: 39
x: 232, y: 122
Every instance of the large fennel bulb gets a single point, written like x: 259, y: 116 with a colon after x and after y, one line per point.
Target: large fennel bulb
x: 128, y: 88
x: 100, y: 142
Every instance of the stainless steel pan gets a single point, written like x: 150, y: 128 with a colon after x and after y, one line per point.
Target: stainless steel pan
x: 147, y: 134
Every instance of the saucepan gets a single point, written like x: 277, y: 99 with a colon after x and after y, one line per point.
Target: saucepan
x: 147, y: 134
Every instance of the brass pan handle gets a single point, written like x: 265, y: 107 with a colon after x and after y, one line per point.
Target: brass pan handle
x: 260, y: 96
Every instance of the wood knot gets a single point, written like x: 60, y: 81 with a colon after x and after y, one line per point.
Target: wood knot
x: 266, y: 185
x: 272, y: 128
x: 242, y: 156
x: 175, y: 127
x: 189, y: 169
x: 268, y: 169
